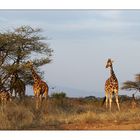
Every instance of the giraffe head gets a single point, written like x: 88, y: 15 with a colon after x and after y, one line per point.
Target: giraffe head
x: 109, y: 63
x: 15, y: 74
x: 29, y: 64
x: 14, y: 77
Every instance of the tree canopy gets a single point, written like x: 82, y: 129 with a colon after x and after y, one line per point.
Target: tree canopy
x: 19, y: 45
x: 132, y: 85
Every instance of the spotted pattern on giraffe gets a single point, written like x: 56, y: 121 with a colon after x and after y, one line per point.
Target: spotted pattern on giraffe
x: 111, y: 85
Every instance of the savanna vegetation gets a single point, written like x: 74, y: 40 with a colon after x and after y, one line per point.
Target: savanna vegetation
x: 132, y: 85
x: 17, y: 46
x: 59, y: 112
x: 63, y: 113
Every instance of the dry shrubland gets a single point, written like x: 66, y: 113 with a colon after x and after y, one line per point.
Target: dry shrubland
x: 56, y: 113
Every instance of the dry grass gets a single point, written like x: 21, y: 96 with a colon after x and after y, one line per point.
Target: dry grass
x: 21, y: 115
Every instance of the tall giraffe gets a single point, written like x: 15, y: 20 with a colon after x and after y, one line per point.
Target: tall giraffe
x: 111, y: 86
x: 40, y: 87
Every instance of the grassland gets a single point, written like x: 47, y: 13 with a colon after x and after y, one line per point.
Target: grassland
x: 68, y: 114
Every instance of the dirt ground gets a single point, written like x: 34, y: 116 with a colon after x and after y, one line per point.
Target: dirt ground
x: 108, y: 126
x: 91, y: 126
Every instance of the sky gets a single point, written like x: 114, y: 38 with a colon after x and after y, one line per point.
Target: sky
x: 82, y: 41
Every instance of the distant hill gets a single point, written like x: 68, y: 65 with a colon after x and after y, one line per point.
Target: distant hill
x: 74, y: 92
x: 71, y: 92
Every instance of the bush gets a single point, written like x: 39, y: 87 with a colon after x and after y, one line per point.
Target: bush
x: 15, y: 116
x: 59, y: 95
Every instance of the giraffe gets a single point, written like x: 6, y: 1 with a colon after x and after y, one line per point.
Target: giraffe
x: 40, y: 87
x: 17, y: 86
x: 111, y: 86
x: 133, y: 102
x: 5, y: 97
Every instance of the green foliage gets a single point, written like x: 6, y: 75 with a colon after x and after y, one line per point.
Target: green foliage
x: 60, y: 95
x: 18, y: 46
x: 132, y: 85
x: 124, y: 98
x: 59, y: 99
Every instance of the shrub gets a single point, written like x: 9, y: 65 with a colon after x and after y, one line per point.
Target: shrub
x: 59, y: 95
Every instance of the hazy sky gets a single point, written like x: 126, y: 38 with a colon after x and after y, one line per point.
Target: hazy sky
x: 82, y: 41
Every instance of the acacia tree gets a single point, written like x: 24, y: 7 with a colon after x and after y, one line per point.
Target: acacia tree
x: 132, y: 85
x: 19, y: 45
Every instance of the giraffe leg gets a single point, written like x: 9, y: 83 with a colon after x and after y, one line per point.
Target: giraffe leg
x: 46, y: 94
x: 5, y: 101
x: 40, y: 100
x: 36, y: 100
x: 2, y: 102
x: 2, y: 105
x: 36, y: 97
x: 46, y: 98
x: 15, y: 94
x: 11, y: 92
x: 117, y: 102
x: 106, y: 101
x: 37, y: 103
x: 110, y: 101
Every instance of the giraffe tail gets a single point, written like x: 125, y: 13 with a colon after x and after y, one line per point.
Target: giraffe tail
x: 103, y: 101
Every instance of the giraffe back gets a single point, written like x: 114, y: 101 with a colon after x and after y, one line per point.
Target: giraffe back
x: 41, y: 88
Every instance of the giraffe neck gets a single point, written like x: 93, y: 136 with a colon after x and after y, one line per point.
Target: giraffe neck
x: 36, y: 77
x: 112, y: 72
